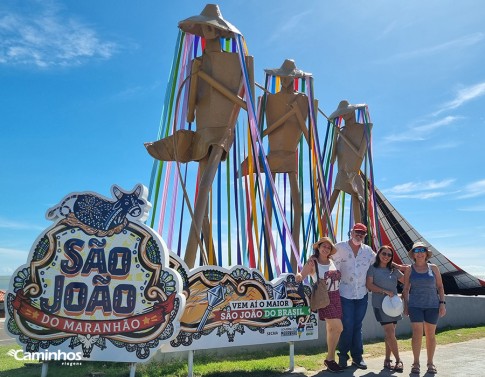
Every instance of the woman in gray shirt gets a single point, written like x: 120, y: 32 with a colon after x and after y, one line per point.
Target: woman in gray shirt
x: 382, y: 280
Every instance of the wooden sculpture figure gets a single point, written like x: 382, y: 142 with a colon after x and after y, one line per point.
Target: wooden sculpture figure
x: 214, y: 102
x: 286, y: 112
x: 350, y: 146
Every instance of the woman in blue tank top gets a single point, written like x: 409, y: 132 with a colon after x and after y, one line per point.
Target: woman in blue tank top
x: 424, y: 302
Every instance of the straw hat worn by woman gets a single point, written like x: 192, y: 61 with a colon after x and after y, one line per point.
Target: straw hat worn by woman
x: 332, y: 314
x: 424, y: 302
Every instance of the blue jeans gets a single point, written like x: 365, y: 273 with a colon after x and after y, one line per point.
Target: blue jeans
x: 351, y: 336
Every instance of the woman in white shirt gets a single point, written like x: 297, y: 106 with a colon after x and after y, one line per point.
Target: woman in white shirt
x: 331, y: 314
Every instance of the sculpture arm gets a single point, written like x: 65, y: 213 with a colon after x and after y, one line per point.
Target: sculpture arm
x: 250, y: 69
x: 333, y: 157
x: 363, y: 146
x: 196, y: 63
x: 222, y: 89
x: 339, y: 134
x: 301, y: 122
x: 279, y: 122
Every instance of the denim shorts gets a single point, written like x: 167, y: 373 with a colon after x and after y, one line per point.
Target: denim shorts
x: 428, y: 315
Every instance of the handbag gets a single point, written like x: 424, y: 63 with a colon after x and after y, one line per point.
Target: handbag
x: 319, y: 298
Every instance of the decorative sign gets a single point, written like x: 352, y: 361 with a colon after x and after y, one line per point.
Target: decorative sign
x: 97, y: 281
x: 239, y: 307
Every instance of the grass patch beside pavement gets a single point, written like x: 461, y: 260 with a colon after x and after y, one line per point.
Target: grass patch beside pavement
x: 267, y: 364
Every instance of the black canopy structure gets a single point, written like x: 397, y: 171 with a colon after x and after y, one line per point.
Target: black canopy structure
x: 398, y: 232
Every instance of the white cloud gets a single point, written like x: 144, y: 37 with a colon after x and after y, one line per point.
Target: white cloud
x: 11, y: 259
x: 15, y: 225
x: 419, y: 190
x: 477, y: 271
x: 388, y: 29
x: 307, y: 207
x: 289, y: 27
x: 475, y: 208
x: 450, y: 144
x: 294, y: 22
x: 463, y: 96
x: 45, y: 38
x: 453, y: 45
x: 420, y: 186
x: 432, y: 189
x: 421, y: 132
x: 424, y: 131
x: 473, y: 190
x: 8, y: 252
x: 137, y: 91
x: 418, y: 195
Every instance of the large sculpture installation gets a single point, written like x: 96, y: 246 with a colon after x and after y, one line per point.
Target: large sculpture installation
x: 215, y: 92
x: 349, y: 149
x: 286, y: 116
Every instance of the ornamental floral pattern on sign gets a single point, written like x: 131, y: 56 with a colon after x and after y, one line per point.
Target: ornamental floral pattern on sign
x: 97, y: 281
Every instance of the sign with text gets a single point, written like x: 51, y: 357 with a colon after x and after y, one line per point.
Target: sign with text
x: 97, y: 281
x: 238, y: 307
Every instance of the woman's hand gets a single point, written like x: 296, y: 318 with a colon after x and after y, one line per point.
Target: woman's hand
x: 387, y: 293
x: 308, y: 269
x: 442, y: 310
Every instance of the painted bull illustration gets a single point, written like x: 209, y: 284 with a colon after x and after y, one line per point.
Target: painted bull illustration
x: 100, y: 213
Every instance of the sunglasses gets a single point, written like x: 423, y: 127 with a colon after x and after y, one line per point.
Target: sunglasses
x: 360, y: 232
x: 386, y: 254
x: 420, y: 250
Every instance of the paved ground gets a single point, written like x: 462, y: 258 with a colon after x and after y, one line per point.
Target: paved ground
x: 452, y: 360
x: 4, y: 338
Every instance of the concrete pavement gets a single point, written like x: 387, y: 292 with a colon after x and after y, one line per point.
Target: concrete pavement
x: 451, y: 360
x: 5, y: 339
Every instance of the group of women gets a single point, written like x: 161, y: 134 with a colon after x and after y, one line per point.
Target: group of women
x: 422, y: 296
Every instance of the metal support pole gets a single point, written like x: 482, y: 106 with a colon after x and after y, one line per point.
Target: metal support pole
x: 292, y: 356
x: 132, y: 369
x: 45, y: 367
x: 191, y: 364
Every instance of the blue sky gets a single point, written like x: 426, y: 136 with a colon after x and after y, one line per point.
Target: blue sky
x: 82, y: 86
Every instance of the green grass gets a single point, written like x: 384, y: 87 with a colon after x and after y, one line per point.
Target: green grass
x: 266, y: 363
